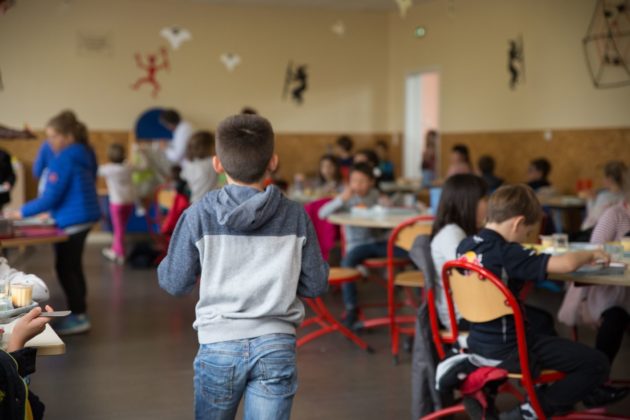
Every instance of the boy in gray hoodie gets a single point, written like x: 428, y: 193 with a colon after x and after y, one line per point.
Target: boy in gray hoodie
x: 254, y: 251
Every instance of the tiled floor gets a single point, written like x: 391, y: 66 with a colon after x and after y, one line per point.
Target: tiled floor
x: 136, y: 363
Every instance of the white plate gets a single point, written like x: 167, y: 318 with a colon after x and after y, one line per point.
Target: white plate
x: 590, y: 268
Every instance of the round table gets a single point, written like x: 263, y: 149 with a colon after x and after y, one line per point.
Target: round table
x: 374, y: 220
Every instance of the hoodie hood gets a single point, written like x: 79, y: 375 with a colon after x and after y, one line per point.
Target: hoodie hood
x: 245, y: 209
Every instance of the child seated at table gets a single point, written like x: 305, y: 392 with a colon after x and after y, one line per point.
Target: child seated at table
x: 385, y: 164
x: 370, y: 157
x: 513, y: 212
x: 360, y: 243
x: 461, y: 213
x: 486, y: 169
x: 605, y: 307
x: 343, y: 150
x: 16, y: 363
x: 611, y: 194
x: 537, y: 173
x: 329, y: 180
x: 459, y: 161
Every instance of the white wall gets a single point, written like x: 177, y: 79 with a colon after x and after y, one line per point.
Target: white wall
x: 469, y: 48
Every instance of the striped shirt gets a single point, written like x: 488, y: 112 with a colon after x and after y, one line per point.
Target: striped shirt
x: 613, y: 225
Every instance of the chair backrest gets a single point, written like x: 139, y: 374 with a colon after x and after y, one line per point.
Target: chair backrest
x: 405, y: 233
x: 477, y: 299
x: 327, y: 233
x: 420, y: 254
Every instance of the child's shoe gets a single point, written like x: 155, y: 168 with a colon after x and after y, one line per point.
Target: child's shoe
x: 604, y: 395
x: 521, y: 412
x: 73, y: 324
x: 111, y: 255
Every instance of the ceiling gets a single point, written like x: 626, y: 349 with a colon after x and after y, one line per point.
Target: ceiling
x: 378, y: 5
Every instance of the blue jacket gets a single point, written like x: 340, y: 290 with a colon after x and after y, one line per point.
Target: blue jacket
x: 70, y: 193
x: 45, y: 155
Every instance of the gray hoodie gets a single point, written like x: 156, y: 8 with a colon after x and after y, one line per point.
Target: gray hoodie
x: 255, y: 252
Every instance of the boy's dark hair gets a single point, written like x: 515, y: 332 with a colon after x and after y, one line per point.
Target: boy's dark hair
x: 462, y: 149
x: 458, y: 203
x: 486, y: 165
x: 371, y: 156
x: 200, y: 145
x: 364, y: 168
x: 514, y: 200
x: 615, y: 170
x: 116, y: 153
x: 542, y: 165
x: 382, y: 143
x: 244, y: 146
x: 249, y: 110
x: 170, y: 117
x: 345, y: 142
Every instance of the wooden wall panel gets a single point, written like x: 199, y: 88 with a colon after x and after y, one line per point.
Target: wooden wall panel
x: 573, y: 154
x: 300, y: 153
x: 297, y: 152
x: 26, y: 151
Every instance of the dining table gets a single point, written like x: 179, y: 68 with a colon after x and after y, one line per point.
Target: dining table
x: 380, y: 218
x: 47, y: 342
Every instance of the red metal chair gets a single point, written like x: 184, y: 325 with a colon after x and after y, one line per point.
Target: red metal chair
x: 324, y: 319
x: 326, y: 234
x: 467, y: 285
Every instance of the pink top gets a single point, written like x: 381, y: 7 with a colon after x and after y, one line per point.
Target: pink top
x: 613, y: 225
x: 585, y: 305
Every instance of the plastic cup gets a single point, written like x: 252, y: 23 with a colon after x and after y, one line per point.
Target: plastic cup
x: 546, y: 241
x: 560, y: 242
x: 21, y: 294
x: 615, y: 250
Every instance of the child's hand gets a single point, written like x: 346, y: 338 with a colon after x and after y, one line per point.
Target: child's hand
x: 600, y: 256
x: 28, y: 327
x: 346, y: 195
x: 385, y: 201
x: 13, y: 214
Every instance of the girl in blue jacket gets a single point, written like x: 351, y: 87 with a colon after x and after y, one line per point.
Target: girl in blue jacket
x: 70, y: 196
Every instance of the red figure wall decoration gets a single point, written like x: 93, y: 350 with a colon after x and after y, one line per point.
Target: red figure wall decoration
x: 151, y: 66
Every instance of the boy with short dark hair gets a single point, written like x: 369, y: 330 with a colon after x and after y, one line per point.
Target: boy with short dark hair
x: 486, y: 166
x: 537, y: 174
x: 343, y: 150
x: 255, y: 251
x: 512, y: 212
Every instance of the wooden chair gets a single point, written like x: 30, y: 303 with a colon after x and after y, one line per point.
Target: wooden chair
x: 403, y: 237
x: 467, y: 285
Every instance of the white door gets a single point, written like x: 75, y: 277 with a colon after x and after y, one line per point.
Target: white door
x: 422, y: 91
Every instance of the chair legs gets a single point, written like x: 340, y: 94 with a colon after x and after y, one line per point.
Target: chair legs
x: 327, y: 323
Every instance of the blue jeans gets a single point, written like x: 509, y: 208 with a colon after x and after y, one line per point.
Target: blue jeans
x: 261, y: 368
x: 355, y: 257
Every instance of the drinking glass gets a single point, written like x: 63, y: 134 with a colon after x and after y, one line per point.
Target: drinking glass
x: 560, y: 242
x: 615, y: 250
